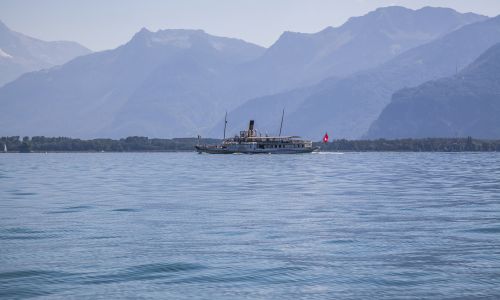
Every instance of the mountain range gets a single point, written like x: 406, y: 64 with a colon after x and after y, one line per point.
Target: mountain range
x: 154, y: 85
x: 300, y: 59
x: 20, y: 53
x: 179, y: 82
x: 467, y: 104
x: 347, y: 106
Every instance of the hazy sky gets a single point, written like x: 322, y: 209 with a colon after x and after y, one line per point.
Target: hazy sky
x: 104, y: 24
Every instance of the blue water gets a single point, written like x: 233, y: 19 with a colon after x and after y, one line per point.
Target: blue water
x: 189, y: 226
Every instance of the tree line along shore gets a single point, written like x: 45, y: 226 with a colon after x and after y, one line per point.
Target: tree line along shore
x: 145, y: 144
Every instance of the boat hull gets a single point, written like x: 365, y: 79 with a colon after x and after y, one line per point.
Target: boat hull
x: 223, y: 150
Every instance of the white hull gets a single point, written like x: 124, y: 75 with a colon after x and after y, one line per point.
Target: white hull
x: 248, y: 142
x: 246, y: 150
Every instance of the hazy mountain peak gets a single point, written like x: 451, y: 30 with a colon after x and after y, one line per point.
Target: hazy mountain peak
x: 142, y: 35
x: 301, y: 59
x: 429, y: 22
x: 179, y: 38
x: 347, y: 106
x: 176, y: 82
x: 462, y: 105
x: 161, y: 83
x: 20, y: 53
x: 390, y: 10
x: 437, y: 19
x: 194, y: 40
x: 379, y: 14
x: 288, y: 34
x: 291, y: 37
x: 144, y: 32
x: 436, y: 10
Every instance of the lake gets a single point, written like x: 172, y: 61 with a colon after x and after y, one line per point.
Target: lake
x: 189, y: 226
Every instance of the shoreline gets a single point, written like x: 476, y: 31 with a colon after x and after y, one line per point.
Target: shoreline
x: 136, y: 144
x: 194, y: 151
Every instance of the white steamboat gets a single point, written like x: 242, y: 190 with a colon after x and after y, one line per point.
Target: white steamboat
x: 249, y: 142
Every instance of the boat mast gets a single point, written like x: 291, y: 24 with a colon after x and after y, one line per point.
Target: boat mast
x: 281, y: 126
x: 225, y: 124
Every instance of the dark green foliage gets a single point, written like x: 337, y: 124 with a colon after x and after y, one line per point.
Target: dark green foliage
x: 144, y: 144
x: 25, y: 147
x: 413, y: 145
x: 130, y: 144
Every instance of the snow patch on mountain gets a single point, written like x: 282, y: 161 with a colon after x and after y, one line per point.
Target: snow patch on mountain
x: 4, y: 54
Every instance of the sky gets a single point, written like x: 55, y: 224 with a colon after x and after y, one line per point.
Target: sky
x: 106, y: 24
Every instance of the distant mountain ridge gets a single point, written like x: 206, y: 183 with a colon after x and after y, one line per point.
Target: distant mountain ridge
x: 179, y: 82
x: 301, y: 59
x: 467, y: 104
x: 20, y: 53
x: 346, y: 107
x: 156, y: 77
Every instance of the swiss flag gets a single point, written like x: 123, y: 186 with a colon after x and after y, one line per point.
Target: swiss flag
x: 325, y: 138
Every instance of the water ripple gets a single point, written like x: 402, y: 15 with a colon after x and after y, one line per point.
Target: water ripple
x: 187, y: 226
x: 143, y: 272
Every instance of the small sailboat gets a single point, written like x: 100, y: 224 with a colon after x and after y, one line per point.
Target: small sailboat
x: 5, y: 148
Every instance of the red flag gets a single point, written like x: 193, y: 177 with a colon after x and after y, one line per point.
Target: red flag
x: 325, y: 138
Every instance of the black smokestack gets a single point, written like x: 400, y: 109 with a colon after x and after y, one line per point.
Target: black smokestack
x: 250, y: 126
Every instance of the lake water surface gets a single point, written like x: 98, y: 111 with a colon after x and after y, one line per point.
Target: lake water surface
x: 189, y: 226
